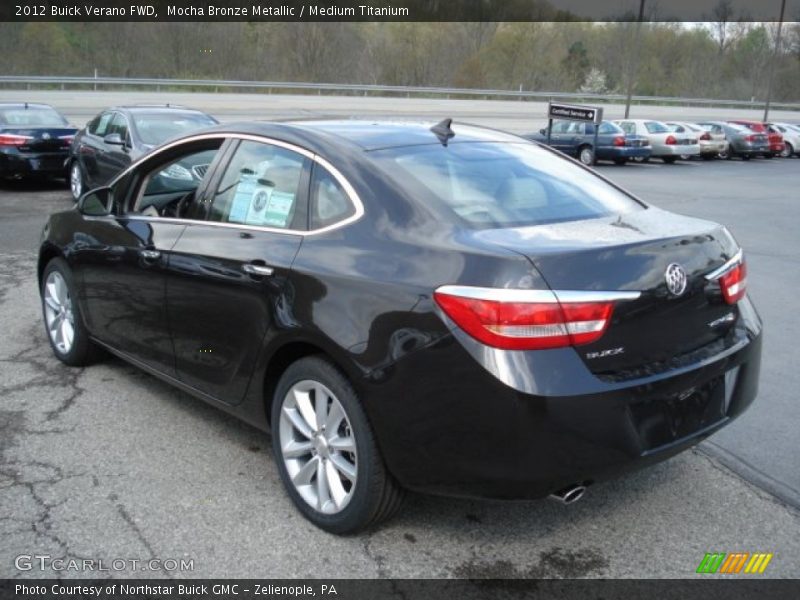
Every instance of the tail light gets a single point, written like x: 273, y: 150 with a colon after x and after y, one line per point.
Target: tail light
x: 10, y: 139
x: 670, y: 141
x: 67, y: 139
x: 732, y: 278
x: 619, y: 140
x: 705, y: 137
x: 751, y: 138
x: 528, y: 319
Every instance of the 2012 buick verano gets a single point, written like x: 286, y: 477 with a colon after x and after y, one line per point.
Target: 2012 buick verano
x: 448, y: 309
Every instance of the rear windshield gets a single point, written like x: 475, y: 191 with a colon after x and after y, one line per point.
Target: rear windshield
x: 489, y: 185
x: 31, y: 117
x: 155, y: 128
x: 655, y: 127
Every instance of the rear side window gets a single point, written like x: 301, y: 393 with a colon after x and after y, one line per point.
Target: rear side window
x: 655, y: 127
x: 260, y: 187
x: 490, y: 185
x: 329, y: 202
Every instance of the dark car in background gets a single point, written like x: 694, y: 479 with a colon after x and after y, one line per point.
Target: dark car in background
x: 448, y: 309
x: 118, y: 136
x: 576, y: 139
x: 34, y: 140
x: 742, y: 142
x: 774, y: 138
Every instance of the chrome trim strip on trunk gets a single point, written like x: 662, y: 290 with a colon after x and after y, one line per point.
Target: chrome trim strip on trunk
x: 730, y: 264
x: 535, y: 296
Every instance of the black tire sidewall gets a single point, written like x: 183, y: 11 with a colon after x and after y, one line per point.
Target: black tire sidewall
x: 362, y: 507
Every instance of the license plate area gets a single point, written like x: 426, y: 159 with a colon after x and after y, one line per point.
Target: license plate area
x: 667, y: 420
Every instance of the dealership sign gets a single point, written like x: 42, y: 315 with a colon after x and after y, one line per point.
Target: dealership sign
x: 574, y: 112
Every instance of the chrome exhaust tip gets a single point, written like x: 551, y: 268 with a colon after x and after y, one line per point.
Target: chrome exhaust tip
x: 569, y: 495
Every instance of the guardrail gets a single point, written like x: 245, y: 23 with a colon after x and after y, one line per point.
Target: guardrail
x: 30, y: 82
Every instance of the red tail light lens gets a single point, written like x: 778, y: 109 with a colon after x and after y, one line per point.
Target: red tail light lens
x: 750, y: 138
x: 67, y: 139
x: 671, y: 141
x: 527, y: 325
x: 734, y: 283
x: 10, y: 139
x: 705, y: 137
x: 619, y: 141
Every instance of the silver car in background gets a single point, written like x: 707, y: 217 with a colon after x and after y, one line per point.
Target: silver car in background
x: 741, y: 141
x: 712, y: 142
x: 667, y: 145
x: 791, y: 138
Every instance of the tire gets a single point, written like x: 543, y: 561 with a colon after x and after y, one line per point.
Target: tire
x: 788, y: 150
x: 669, y: 159
x: 686, y: 157
x: 76, y: 180
x: 620, y: 161
x: 63, y: 320
x: 367, y: 492
x: 745, y: 157
x: 641, y: 159
x: 710, y: 156
x: 768, y: 155
x: 586, y: 155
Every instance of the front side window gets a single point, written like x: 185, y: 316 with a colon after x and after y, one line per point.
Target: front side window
x: 261, y: 186
x: 101, y: 127
x: 490, y: 185
x: 118, y: 125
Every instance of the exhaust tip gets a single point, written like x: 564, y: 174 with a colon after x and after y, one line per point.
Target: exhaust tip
x: 569, y: 495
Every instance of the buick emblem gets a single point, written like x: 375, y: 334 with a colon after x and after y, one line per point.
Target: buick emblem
x: 45, y: 136
x: 676, y: 279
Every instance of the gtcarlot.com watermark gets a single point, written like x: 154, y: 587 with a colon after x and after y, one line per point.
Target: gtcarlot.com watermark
x: 45, y: 562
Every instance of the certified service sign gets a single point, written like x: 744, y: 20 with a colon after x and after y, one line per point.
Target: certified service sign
x: 575, y: 112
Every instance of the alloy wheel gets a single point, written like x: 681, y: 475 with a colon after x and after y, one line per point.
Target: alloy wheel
x: 318, y: 446
x: 587, y: 156
x: 58, y: 312
x: 76, y: 180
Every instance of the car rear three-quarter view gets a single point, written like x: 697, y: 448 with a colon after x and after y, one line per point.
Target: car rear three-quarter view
x: 446, y: 309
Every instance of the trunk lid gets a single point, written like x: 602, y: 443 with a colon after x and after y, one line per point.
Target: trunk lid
x: 43, y: 139
x: 632, y: 253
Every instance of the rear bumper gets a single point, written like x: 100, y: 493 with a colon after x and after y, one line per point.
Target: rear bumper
x: 13, y: 163
x: 615, y: 152
x: 678, y: 150
x: 448, y: 424
x: 713, y: 147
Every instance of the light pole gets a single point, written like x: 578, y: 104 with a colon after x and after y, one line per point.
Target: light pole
x: 635, y: 61
x: 774, y: 59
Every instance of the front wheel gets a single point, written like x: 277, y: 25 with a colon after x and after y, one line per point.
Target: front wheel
x: 66, y: 332
x: 788, y: 150
x: 326, y: 452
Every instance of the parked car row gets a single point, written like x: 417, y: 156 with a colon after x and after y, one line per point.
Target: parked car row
x: 639, y: 140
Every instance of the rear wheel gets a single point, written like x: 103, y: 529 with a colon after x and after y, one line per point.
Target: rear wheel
x: 788, y: 150
x: 326, y: 452
x: 620, y: 161
x: 669, y: 159
x: 76, y: 180
x: 586, y: 155
x: 66, y: 332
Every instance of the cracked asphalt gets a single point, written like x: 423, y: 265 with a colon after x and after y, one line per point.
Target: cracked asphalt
x: 109, y: 463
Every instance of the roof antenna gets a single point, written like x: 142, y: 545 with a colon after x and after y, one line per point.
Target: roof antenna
x: 442, y: 131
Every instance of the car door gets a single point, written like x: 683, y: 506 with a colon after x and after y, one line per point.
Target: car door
x: 92, y: 147
x: 558, y: 135
x: 114, y: 158
x: 122, y: 262
x: 227, y: 274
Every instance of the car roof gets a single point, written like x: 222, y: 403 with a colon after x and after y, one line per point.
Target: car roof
x: 363, y: 134
x: 154, y: 108
x: 24, y: 105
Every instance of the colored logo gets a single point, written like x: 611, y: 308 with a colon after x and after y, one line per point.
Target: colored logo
x: 734, y: 563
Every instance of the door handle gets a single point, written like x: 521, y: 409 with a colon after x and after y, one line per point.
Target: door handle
x: 149, y: 254
x: 258, y: 270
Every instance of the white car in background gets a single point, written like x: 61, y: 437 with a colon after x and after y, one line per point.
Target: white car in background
x: 712, y: 142
x: 667, y: 145
x: 791, y: 138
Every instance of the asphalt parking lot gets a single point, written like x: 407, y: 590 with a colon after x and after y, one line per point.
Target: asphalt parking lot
x: 108, y: 462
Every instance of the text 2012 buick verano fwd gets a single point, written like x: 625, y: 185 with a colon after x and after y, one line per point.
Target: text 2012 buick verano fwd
x: 447, y: 309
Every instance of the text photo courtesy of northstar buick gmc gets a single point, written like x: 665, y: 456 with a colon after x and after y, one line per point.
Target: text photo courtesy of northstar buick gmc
x: 447, y: 309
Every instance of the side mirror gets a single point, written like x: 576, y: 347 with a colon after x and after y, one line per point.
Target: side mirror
x: 96, y: 203
x: 543, y: 131
x: 114, y: 139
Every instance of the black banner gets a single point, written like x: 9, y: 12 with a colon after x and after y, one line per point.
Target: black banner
x: 393, y: 10
x: 735, y: 588
x: 574, y: 112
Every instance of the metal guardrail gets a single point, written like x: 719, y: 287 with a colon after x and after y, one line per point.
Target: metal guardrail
x: 365, y: 89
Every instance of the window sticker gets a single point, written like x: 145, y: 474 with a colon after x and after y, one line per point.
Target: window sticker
x: 256, y: 203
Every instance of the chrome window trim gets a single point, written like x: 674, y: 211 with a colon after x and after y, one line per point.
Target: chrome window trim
x: 348, y: 188
x: 729, y: 264
x: 538, y: 296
